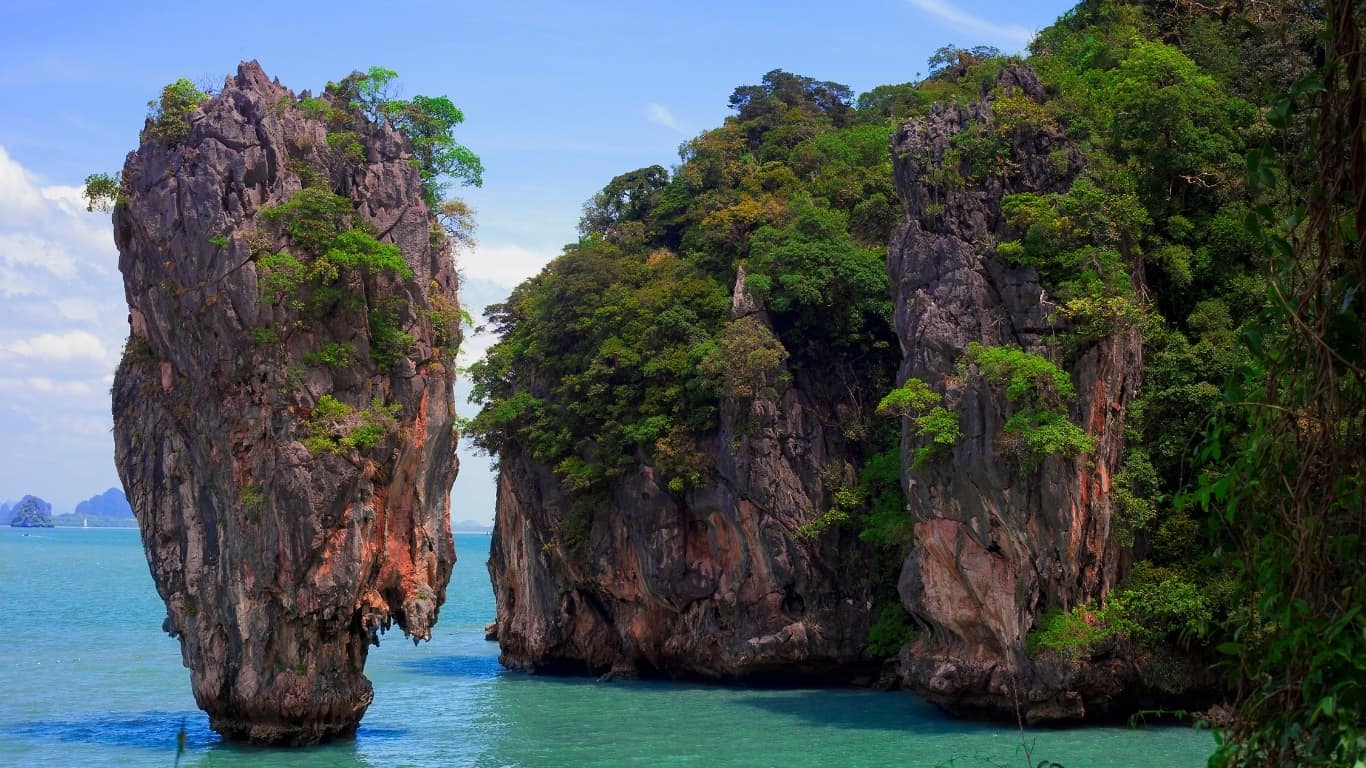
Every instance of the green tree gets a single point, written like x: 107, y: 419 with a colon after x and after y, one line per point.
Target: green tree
x: 1292, y: 494
x: 170, y: 114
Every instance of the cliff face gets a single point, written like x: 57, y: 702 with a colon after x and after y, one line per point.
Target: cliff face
x: 713, y: 582
x: 287, y: 450
x: 997, y: 542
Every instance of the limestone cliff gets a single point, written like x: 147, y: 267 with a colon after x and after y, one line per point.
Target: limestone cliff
x: 713, y: 582
x: 282, y: 415
x: 998, y: 541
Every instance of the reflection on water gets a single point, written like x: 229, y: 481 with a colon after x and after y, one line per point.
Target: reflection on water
x: 480, y: 666
x: 102, y: 686
x: 142, y: 730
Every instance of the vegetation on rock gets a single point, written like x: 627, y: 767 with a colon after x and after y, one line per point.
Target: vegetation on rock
x: 1227, y: 234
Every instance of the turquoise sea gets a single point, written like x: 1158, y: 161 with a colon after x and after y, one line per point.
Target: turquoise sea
x: 88, y: 679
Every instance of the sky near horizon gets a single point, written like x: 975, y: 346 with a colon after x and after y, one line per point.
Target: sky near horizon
x: 558, y: 99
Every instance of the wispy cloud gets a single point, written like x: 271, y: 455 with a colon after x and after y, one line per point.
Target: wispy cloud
x: 504, y: 264
x: 1012, y: 34
x: 660, y: 115
x: 64, y: 322
x: 59, y: 347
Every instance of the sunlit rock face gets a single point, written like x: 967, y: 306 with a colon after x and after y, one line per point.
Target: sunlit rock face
x: 280, y: 563
x: 997, y: 541
x: 713, y: 582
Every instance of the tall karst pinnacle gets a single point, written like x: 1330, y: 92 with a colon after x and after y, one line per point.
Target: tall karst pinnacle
x: 284, y: 412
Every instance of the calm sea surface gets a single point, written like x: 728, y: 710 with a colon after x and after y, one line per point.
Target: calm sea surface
x: 88, y: 679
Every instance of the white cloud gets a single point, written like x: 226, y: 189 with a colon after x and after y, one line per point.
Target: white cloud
x: 63, y: 347
x: 45, y: 386
x: 63, y: 325
x: 1012, y: 34
x: 82, y: 310
x: 18, y: 193
x: 23, y: 249
x: 660, y: 115
x: 504, y: 264
x: 13, y: 283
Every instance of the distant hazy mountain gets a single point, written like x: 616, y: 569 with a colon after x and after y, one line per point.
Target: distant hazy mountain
x: 31, y: 512
x: 106, y: 510
x: 4, y: 512
x: 470, y: 526
x: 111, y: 504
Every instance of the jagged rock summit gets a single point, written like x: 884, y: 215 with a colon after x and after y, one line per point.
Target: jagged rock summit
x: 283, y: 412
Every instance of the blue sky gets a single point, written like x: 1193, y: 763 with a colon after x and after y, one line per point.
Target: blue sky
x: 558, y: 98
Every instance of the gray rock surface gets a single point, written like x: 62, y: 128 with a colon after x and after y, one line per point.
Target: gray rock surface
x: 279, y: 566
x: 997, y: 543
x: 711, y: 583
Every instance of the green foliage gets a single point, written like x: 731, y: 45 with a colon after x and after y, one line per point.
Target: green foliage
x: 626, y: 198
x: 315, y: 108
x: 334, y: 354
x: 747, y: 362
x: 1154, y: 609
x: 1039, y: 391
x: 251, y: 496
x: 446, y: 318
x: 1027, y: 377
x: 347, y: 144
x: 372, y: 92
x: 950, y: 59
x: 884, y: 522
x: 358, y: 249
x: 282, y: 275
x: 1284, y: 481
x: 389, y: 343
x: 1034, y: 434
x: 1073, y: 634
x: 311, y: 218
x: 170, y: 114
x: 845, y: 501
x: 335, y: 427
x: 1161, y: 611
x: 1134, y: 489
x: 915, y: 401
x: 891, y: 631
x: 617, y: 343
x: 941, y: 428
x: 829, y: 292
x: 103, y: 191
x: 334, y: 244
x: 908, y: 399
x: 264, y: 335
x: 219, y: 241
x: 427, y: 121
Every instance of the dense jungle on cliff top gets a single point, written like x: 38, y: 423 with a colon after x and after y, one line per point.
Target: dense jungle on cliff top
x: 1217, y: 214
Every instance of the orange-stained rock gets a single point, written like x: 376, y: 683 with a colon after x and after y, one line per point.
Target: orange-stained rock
x: 999, y: 541
x: 279, y: 567
x: 712, y: 582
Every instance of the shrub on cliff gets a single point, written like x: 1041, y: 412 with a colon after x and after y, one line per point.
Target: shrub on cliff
x: 170, y: 114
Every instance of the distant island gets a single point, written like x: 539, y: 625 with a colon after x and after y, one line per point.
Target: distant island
x: 105, y: 510
x: 109, y: 509
x: 31, y: 512
x: 470, y: 526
